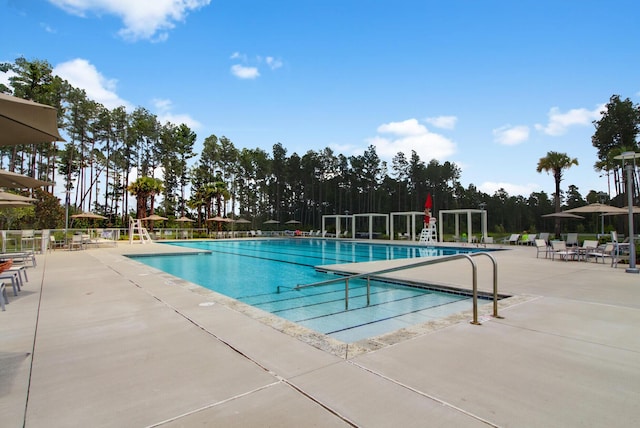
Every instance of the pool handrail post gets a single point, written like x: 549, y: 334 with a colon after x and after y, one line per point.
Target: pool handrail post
x: 346, y: 294
x: 426, y: 263
x: 495, y: 282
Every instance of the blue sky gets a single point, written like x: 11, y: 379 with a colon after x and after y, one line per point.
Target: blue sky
x: 490, y: 85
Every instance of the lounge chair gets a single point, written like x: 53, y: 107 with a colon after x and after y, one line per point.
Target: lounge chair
x: 572, y: 240
x: 545, y: 236
x: 542, y: 247
x: 486, y: 240
x: 560, y: 248
x: 513, y: 239
x: 528, y: 239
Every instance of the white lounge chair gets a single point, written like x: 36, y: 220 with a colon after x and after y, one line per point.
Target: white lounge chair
x: 513, y: 239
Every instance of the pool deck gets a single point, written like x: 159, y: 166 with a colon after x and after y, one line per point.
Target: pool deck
x: 98, y: 340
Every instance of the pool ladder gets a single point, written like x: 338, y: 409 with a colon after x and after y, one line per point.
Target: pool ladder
x: 434, y: 261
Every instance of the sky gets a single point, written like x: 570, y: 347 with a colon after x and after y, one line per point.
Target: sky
x: 490, y: 85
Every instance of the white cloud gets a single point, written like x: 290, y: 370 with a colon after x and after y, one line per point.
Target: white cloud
x: 238, y: 55
x: 443, y: 122
x: 411, y: 135
x: 243, y: 72
x: 491, y: 187
x: 84, y: 75
x: 511, y: 135
x: 560, y: 122
x: 273, y: 63
x: 143, y: 19
x: 247, y: 71
x: 164, y: 113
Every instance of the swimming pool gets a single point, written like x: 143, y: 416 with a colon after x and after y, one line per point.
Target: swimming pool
x: 263, y: 273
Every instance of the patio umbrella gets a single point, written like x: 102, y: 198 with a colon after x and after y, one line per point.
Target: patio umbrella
x: 26, y: 122
x: 272, y: 222
x: 563, y: 214
x: 6, y: 196
x: 293, y: 222
x: 184, y: 219
x: 242, y: 221
x: 636, y: 210
x: 89, y: 215
x: 597, y: 208
x: 216, y: 218
x: 154, y: 217
x: 13, y: 180
x: 14, y: 204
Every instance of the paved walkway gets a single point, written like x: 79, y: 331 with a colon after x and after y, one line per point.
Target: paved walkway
x: 98, y: 340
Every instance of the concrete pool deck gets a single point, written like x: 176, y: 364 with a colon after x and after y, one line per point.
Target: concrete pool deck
x: 96, y: 339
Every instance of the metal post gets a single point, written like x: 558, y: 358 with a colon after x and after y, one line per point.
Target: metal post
x: 632, y: 245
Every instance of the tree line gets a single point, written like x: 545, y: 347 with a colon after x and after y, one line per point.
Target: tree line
x: 113, y: 152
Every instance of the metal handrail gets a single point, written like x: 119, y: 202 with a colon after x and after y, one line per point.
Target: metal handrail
x: 419, y: 264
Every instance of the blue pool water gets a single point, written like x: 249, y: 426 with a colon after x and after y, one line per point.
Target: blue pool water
x: 263, y: 272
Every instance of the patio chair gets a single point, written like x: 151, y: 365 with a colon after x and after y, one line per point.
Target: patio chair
x: 587, y: 247
x: 13, y: 276
x: 545, y: 236
x: 76, y: 241
x: 572, y: 240
x: 20, y: 257
x: 560, y: 248
x: 602, y: 252
x: 542, y: 247
x: 3, y: 296
x: 621, y: 253
x: 27, y: 241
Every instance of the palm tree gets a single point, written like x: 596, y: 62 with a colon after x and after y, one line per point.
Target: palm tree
x: 145, y: 188
x: 556, y: 163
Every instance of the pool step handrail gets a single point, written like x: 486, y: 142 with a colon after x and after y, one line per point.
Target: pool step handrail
x: 433, y: 261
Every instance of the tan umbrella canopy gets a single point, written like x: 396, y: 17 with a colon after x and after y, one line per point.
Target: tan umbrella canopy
x: 597, y: 208
x: 26, y: 122
x: 272, y: 222
x: 243, y: 221
x: 154, y: 217
x: 221, y: 219
x: 635, y: 210
x: 14, y: 204
x: 562, y: 214
x: 6, y: 196
x: 293, y: 222
x: 89, y: 215
x: 13, y: 180
x: 184, y: 219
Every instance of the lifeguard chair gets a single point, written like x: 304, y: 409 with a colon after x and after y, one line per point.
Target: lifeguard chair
x: 136, y: 229
x: 429, y: 233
